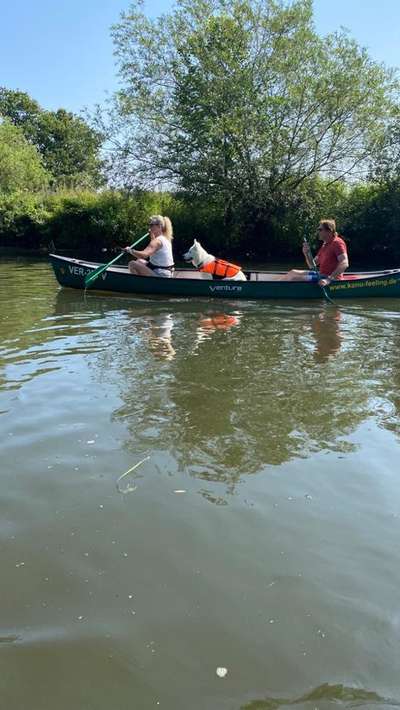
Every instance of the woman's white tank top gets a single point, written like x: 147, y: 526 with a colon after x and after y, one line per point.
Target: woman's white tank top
x: 163, y: 256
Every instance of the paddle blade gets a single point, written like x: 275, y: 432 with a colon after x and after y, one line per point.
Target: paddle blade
x: 100, y: 269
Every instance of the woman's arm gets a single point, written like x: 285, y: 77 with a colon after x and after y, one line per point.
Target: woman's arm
x: 151, y: 249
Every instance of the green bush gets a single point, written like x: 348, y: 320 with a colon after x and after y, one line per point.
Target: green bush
x: 84, y: 222
x: 371, y: 222
x: 79, y: 221
x: 23, y: 219
x: 21, y: 165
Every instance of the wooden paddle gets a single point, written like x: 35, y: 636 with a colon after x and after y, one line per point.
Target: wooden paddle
x: 316, y: 269
x: 93, y: 275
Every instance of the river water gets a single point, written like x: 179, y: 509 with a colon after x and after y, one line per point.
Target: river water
x: 196, y: 486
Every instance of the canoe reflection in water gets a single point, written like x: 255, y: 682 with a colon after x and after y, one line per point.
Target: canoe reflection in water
x: 160, y: 337
x: 328, y: 336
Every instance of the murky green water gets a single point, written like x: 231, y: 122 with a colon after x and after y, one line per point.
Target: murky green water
x: 259, y: 533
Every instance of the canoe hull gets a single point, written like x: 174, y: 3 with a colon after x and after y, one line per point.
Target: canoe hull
x: 71, y: 273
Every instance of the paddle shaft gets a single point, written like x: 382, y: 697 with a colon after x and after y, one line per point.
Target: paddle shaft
x: 314, y: 266
x: 97, y: 272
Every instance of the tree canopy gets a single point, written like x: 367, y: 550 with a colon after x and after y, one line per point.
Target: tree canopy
x: 68, y: 145
x: 21, y: 166
x: 242, y: 101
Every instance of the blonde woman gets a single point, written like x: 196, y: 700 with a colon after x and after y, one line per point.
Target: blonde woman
x: 157, y: 258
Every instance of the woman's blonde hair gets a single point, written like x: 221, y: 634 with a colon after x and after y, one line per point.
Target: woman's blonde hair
x: 328, y: 224
x: 165, y: 224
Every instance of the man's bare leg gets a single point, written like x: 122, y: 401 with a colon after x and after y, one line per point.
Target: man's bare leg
x: 296, y: 275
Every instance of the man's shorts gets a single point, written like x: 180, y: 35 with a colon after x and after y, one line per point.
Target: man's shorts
x: 314, y: 276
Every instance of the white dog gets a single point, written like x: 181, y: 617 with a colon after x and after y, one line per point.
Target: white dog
x: 218, y: 268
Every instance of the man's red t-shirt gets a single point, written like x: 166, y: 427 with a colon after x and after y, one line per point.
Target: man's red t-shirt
x: 327, y: 257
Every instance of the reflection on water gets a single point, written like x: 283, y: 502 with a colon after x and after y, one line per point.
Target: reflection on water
x: 226, y: 392
x: 355, y: 697
x: 209, y: 324
x: 160, y: 336
x: 258, y: 397
x: 187, y: 485
x: 326, y: 330
x: 239, y: 388
x: 159, y: 330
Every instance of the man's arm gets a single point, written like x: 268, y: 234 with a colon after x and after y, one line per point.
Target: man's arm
x: 342, y: 265
x: 308, y: 255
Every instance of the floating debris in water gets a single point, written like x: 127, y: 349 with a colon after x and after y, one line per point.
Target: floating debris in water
x: 221, y: 672
x: 129, y: 489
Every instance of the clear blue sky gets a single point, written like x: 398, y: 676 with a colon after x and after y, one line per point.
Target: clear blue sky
x: 61, y: 52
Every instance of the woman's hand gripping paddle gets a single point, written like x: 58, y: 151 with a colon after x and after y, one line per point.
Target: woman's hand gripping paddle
x: 93, y: 275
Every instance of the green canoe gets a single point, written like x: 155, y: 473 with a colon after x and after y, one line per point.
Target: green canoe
x: 190, y: 282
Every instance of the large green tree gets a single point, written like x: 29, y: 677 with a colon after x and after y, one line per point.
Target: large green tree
x: 21, y: 166
x: 70, y: 148
x: 68, y: 145
x: 386, y: 163
x: 242, y: 101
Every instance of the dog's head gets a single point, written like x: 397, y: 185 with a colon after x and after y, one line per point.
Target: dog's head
x: 196, y: 254
x: 191, y: 254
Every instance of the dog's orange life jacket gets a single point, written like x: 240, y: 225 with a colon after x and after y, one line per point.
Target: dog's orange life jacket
x: 220, y: 269
x: 219, y: 322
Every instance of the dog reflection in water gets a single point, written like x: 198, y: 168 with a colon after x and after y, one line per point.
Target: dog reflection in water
x: 160, y: 337
x: 216, y: 321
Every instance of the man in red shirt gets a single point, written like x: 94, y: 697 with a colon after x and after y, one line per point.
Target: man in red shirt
x: 332, y: 259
